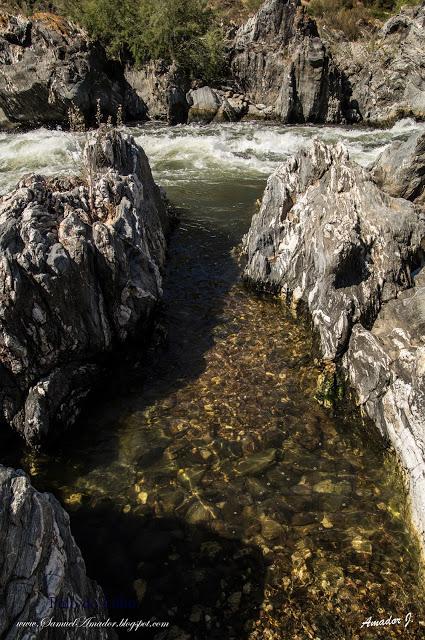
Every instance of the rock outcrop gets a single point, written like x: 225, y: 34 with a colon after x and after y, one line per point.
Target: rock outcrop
x: 163, y: 89
x: 386, y: 367
x: 47, y: 65
x: 326, y: 234
x: 400, y: 169
x: 42, y: 569
x: 80, y: 274
x: 207, y: 105
x: 279, y: 59
x: 386, y: 71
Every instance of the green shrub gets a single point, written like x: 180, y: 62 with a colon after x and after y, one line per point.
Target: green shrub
x: 184, y: 31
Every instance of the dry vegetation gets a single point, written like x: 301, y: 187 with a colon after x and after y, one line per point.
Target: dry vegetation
x: 352, y: 16
x: 235, y: 10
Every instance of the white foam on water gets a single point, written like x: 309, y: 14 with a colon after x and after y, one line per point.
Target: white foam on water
x: 40, y: 151
x: 211, y: 154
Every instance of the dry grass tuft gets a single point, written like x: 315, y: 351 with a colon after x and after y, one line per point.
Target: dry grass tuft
x: 53, y: 22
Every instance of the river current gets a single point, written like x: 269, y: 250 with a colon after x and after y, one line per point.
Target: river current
x: 206, y: 485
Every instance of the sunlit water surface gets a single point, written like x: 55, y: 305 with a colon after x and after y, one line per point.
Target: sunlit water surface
x: 204, y: 481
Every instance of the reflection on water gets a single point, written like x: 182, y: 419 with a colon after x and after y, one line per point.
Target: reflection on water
x: 206, y: 482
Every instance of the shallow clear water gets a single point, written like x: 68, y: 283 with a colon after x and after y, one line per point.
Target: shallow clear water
x: 204, y: 476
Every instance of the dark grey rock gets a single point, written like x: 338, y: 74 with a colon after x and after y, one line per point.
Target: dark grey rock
x: 80, y: 274
x: 400, y: 169
x: 208, y: 105
x: 42, y: 569
x: 47, y: 64
x: 279, y: 59
x: 163, y: 89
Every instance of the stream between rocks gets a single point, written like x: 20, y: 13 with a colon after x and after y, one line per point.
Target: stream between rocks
x: 205, y: 484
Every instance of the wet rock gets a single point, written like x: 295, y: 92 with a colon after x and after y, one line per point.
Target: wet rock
x: 270, y: 529
x: 300, y: 571
x: 140, y: 586
x: 279, y: 59
x: 331, y: 577
x: 150, y: 457
x: 400, y: 169
x: 142, y: 497
x: 80, y: 274
x: 170, y: 500
x: 199, y: 512
x: 328, y: 486
x: 302, y: 519
x: 327, y: 522
x: 257, y: 463
x: 48, y: 64
x: 191, y: 477
x: 41, y: 563
x: 361, y: 545
x: 234, y: 600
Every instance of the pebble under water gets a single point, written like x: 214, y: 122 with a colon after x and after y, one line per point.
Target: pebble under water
x: 205, y: 482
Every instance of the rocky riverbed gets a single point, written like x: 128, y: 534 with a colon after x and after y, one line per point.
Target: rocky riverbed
x: 209, y: 461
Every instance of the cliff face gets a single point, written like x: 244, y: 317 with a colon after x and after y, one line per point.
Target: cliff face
x: 279, y: 59
x: 80, y: 273
x: 47, y: 65
x: 327, y: 234
x: 279, y: 67
x: 41, y: 565
x: 386, y: 71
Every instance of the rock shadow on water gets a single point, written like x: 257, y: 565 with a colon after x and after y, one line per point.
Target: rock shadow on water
x: 199, y: 275
x: 165, y: 569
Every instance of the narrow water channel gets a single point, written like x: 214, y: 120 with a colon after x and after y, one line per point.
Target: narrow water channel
x: 205, y: 482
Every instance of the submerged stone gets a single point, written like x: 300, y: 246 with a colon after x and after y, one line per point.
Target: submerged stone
x: 257, y: 463
x: 328, y: 486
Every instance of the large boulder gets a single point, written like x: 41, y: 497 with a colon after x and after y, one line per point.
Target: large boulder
x: 327, y: 235
x: 400, y: 169
x: 208, y: 105
x: 42, y: 573
x: 163, y: 89
x: 387, y: 70
x: 80, y: 274
x: 279, y: 59
x: 47, y: 65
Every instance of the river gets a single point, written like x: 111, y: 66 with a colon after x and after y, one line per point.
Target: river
x: 205, y: 479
